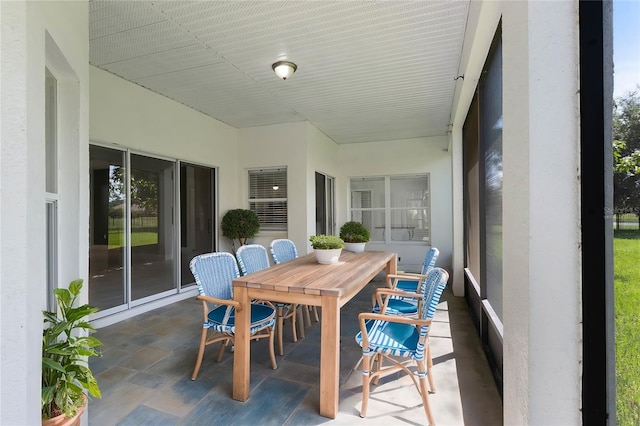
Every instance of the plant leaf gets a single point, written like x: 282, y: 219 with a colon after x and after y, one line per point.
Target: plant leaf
x: 75, y: 286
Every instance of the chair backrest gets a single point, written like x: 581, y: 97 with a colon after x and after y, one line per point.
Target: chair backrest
x: 430, y: 260
x: 434, y: 285
x: 214, y: 274
x: 283, y: 250
x: 252, y: 258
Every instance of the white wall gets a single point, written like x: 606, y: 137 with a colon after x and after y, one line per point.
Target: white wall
x: 35, y: 34
x: 276, y: 146
x: 419, y: 155
x: 541, y: 219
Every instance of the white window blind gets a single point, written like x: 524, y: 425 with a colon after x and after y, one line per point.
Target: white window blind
x: 268, y: 197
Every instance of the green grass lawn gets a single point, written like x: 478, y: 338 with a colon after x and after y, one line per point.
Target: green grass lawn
x: 627, y: 312
x: 137, y: 239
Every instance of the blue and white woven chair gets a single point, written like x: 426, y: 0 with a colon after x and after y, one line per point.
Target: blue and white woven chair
x: 396, y: 303
x: 214, y: 274
x: 283, y: 250
x: 383, y: 337
x: 399, y: 302
x: 254, y: 258
x: 429, y: 262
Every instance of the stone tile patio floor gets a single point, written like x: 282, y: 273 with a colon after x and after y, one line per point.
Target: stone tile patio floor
x: 144, y: 375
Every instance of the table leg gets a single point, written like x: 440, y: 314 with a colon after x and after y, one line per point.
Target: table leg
x: 329, y: 357
x: 392, y: 266
x: 242, y: 352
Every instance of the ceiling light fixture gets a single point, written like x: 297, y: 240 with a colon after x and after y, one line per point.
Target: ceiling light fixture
x: 276, y: 187
x: 284, y: 69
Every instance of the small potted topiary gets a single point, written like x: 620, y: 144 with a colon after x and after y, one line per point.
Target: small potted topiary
x: 355, y: 236
x: 327, y: 248
x: 239, y: 224
x: 65, y: 350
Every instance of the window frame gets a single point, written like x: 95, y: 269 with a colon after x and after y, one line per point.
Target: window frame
x: 51, y: 186
x: 388, y: 210
x: 274, y: 225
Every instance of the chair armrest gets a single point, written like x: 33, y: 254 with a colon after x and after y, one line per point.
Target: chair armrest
x: 381, y: 296
x: 394, y: 318
x: 392, y: 279
x: 364, y: 316
x: 227, y: 302
x: 263, y: 302
x: 414, y: 274
x: 394, y: 292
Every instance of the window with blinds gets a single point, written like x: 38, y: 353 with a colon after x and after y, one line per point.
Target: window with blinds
x: 268, y: 198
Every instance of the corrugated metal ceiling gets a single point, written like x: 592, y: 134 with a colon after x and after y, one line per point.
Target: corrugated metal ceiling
x: 367, y: 70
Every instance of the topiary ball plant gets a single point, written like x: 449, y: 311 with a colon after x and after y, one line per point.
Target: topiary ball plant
x: 240, y: 224
x: 354, y: 232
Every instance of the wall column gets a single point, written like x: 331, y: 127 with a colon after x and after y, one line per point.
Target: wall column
x: 541, y: 211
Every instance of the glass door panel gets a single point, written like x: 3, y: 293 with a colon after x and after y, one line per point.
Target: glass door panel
x: 152, y: 230
x: 197, y: 231
x: 107, y: 225
x: 325, y: 223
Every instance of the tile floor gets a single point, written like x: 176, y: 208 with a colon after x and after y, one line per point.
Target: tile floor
x: 144, y: 375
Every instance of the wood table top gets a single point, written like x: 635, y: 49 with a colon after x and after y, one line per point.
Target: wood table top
x: 305, y: 275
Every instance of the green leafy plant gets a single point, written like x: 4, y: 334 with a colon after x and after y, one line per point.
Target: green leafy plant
x: 354, y: 232
x: 65, y: 368
x: 326, y: 242
x: 240, y: 224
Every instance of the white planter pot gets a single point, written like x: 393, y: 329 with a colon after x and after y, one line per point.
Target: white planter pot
x: 327, y: 257
x: 354, y: 247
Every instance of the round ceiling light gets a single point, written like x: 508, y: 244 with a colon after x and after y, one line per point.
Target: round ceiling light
x: 284, y: 69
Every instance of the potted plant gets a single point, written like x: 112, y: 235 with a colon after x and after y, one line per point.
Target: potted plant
x: 239, y: 224
x: 327, y: 248
x: 65, y: 351
x: 355, y: 236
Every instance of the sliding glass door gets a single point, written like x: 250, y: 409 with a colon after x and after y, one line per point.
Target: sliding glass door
x: 197, y: 224
x: 108, y: 222
x: 152, y: 226
x: 138, y: 251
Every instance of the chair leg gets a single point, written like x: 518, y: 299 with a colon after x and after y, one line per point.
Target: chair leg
x: 292, y: 313
x: 366, y: 376
x: 376, y: 380
x: 432, y: 385
x: 203, y: 343
x: 424, y: 393
x: 272, y: 354
x: 358, y: 364
x: 315, y: 313
x: 301, y: 321
x: 223, y: 344
x: 279, y: 327
x: 307, y: 317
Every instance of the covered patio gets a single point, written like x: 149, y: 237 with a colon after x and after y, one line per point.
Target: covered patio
x: 468, y: 96
x: 146, y: 366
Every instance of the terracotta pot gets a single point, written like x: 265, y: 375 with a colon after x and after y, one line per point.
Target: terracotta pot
x: 61, y: 420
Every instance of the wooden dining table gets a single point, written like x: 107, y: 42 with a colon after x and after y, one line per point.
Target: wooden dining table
x: 304, y: 281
